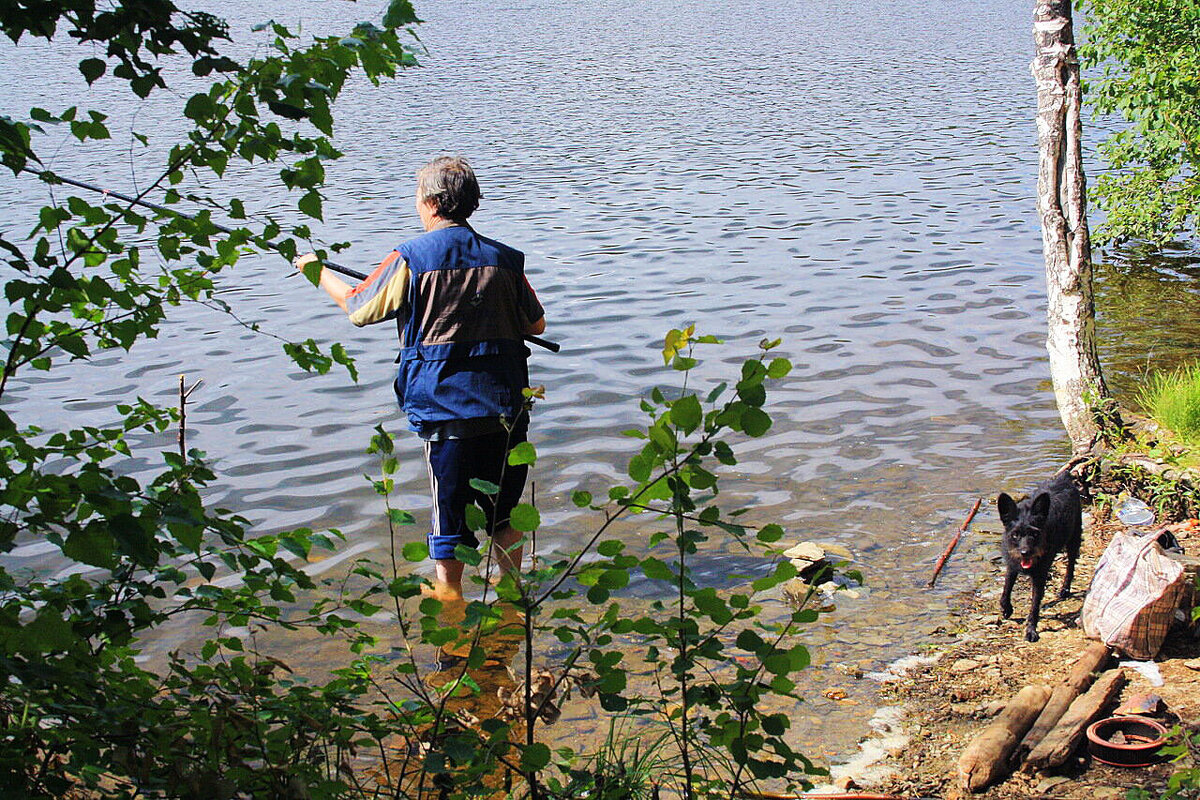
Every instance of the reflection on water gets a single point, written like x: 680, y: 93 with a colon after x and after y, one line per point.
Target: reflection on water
x: 1148, y: 320
x: 738, y: 166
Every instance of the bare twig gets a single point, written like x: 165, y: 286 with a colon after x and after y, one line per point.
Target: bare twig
x: 941, y: 562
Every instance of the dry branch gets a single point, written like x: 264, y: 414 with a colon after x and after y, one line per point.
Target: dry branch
x: 941, y: 562
x: 987, y: 756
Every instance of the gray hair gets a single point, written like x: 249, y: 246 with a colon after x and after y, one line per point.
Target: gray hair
x: 450, y: 183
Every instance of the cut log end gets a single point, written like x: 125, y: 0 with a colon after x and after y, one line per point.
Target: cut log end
x: 986, y: 758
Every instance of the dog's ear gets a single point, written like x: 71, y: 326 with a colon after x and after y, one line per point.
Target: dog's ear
x: 1007, y: 507
x: 1041, y: 504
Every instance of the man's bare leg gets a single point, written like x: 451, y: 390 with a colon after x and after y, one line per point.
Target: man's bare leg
x: 507, y: 550
x: 447, y: 580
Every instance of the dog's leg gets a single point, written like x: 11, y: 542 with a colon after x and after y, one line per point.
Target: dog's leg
x: 1006, y: 596
x: 1035, y: 607
x: 1073, y: 544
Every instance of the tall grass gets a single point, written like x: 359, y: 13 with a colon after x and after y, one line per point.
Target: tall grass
x: 1173, y: 400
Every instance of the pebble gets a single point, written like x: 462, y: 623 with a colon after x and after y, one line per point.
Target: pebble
x: 849, y: 669
x: 963, y: 666
x: 1108, y: 793
x: 993, y: 708
x: 1050, y: 783
x: 842, y: 553
x: 809, y: 552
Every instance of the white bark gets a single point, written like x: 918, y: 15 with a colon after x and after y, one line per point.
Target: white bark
x: 1079, y: 386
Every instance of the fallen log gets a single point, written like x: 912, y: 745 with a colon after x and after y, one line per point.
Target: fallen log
x: 1090, y: 662
x: 1066, y: 735
x: 987, y: 756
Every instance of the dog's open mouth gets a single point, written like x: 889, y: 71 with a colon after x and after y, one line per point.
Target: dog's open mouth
x: 1026, y: 563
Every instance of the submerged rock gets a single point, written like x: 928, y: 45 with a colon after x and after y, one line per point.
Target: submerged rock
x: 811, y: 557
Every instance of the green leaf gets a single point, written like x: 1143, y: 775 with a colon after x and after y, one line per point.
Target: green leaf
x: 46, y: 633
x: 524, y: 518
x: 750, y: 641
x: 399, y: 12
x: 476, y: 518
x: 401, y: 517
x: 775, y: 724
x: 709, y: 603
x: 699, y: 478
x: 199, y: 107
x: 92, y: 545
x: 755, y: 422
x: 467, y: 555
x: 686, y: 413
x: 534, y: 757
x: 752, y: 394
x: 639, y: 468
x: 92, y: 69
x: 341, y: 357
x: 581, y: 498
x: 310, y: 204
x: 312, y: 271
x: 610, y: 547
x: 770, y: 533
x: 656, y: 570
x: 778, y: 368
x: 415, y: 551
x: 523, y: 453
x: 484, y: 487
x: 778, y: 663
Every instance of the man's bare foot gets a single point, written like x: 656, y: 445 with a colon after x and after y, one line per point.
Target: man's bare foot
x: 442, y: 592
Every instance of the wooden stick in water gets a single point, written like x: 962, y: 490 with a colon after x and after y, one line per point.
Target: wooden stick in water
x: 941, y: 562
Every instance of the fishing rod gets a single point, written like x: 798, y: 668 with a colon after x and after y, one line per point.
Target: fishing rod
x: 553, y: 347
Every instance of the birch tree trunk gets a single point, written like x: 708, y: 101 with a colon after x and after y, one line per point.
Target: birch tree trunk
x: 1079, y: 387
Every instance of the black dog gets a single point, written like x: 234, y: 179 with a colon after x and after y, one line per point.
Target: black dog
x: 1034, y: 531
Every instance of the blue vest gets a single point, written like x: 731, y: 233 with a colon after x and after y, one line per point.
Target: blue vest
x: 462, y: 354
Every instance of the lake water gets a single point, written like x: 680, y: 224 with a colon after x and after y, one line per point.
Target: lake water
x: 856, y: 178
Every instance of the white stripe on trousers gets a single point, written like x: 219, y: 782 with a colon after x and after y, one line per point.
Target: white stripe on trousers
x: 433, y: 487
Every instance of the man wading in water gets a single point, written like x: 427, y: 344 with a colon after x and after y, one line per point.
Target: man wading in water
x: 462, y: 304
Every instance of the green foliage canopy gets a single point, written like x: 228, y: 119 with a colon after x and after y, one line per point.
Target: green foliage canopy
x: 1146, y: 54
x: 97, y: 274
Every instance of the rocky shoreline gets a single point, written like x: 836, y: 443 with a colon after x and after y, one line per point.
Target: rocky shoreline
x: 950, y: 695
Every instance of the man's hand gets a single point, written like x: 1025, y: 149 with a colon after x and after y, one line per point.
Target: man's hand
x: 334, y: 286
x: 300, y: 262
